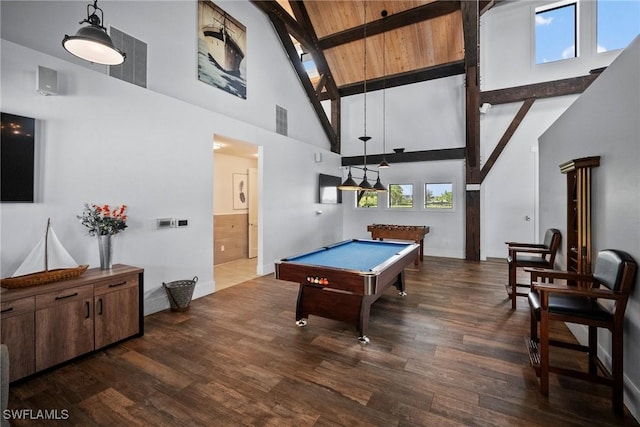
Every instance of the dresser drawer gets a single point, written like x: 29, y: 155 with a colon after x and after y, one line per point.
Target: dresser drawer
x: 107, y: 286
x: 17, y: 307
x: 63, y: 296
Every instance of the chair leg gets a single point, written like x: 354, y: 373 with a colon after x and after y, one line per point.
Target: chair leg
x: 533, y: 333
x: 593, y: 350
x: 544, y: 348
x: 512, y: 284
x: 617, y: 359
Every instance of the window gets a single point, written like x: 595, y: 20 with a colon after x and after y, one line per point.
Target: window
x: 618, y: 23
x: 400, y: 195
x: 556, y: 32
x: 367, y: 199
x: 438, y: 195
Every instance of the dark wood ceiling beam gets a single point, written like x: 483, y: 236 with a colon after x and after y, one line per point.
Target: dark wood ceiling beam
x: 407, y: 157
x: 321, y: 84
x: 424, y: 74
x: 513, y: 126
x: 391, y: 22
x: 272, y: 8
x: 302, y: 17
x: 283, y: 34
x: 470, y: 29
x: 570, y: 86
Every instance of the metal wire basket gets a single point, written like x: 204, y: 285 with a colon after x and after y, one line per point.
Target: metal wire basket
x: 180, y: 293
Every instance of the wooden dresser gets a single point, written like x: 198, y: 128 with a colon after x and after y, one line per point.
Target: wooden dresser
x: 44, y: 326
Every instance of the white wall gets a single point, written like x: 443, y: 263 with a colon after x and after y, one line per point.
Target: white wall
x: 603, y: 122
x: 509, y: 193
x: 170, y: 30
x: 107, y: 141
x: 446, y: 228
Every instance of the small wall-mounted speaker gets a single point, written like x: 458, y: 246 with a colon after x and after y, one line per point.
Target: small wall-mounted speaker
x: 47, y: 81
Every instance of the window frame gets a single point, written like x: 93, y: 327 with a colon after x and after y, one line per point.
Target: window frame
x: 596, y: 33
x: 453, y: 207
x: 576, y: 32
x: 413, y: 198
x: 357, y: 200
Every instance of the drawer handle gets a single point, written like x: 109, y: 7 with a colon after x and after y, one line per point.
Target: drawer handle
x: 100, y: 306
x: 6, y: 310
x: 67, y: 296
x: 88, y: 310
x: 118, y: 284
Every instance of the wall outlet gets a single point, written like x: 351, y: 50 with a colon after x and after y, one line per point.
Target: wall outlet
x: 222, y: 248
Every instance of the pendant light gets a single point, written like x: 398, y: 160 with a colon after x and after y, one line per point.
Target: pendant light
x: 384, y: 164
x: 92, y: 43
x: 349, y: 183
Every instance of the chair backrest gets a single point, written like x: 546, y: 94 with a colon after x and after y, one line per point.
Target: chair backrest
x: 551, y: 241
x: 615, y: 269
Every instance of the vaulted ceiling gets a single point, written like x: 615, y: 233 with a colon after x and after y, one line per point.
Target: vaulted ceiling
x: 413, y: 36
x: 406, y: 41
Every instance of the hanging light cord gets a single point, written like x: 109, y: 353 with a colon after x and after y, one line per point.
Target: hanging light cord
x: 365, y: 66
x: 384, y: 94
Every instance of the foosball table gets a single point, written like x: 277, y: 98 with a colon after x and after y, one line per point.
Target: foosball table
x: 415, y: 233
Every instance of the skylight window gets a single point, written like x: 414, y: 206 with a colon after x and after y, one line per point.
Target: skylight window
x: 556, y: 32
x: 618, y: 23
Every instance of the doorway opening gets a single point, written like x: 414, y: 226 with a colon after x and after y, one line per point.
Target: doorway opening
x: 235, y: 211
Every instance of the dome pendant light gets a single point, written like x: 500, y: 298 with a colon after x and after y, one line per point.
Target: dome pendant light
x: 92, y: 43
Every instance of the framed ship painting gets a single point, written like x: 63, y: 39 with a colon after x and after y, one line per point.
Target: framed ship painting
x: 222, y: 48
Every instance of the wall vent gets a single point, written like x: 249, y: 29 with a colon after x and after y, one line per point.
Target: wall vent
x: 134, y: 68
x: 281, y: 121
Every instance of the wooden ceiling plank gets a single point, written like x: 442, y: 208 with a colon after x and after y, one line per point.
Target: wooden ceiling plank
x: 570, y: 86
x: 511, y: 129
x: 401, y: 19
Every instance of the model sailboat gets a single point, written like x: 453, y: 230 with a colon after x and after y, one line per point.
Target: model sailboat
x: 48, y: 262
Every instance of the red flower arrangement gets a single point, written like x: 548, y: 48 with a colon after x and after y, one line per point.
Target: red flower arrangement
x: 102, y: 220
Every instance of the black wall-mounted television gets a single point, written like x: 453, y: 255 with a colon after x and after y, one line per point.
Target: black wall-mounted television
x: 328, y: 189
x: 17, y: 155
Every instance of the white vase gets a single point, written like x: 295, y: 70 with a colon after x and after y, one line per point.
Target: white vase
x: 105, y: 247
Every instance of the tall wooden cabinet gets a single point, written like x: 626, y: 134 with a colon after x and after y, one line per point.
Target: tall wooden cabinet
x: 578, y: 238
x: 46, y: 325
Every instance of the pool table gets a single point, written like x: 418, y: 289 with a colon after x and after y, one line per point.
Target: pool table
x: 342, y: 280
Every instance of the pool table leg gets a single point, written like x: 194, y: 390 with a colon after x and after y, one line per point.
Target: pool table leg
x: 301, y: 318
x: 363, y: 322
x: 400, y: 284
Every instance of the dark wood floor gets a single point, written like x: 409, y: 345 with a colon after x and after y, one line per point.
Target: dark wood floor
x: 450, y: 353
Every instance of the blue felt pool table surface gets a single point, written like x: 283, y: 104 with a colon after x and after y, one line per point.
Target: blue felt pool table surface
x: 361, y: 255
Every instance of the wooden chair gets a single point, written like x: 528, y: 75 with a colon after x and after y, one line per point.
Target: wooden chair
x: 580, y: 301
x: 539, y: 255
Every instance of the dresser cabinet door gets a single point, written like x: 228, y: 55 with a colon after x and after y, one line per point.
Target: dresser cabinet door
x: 64, y: 326
x: 18, y: 332
x: 116, y: 310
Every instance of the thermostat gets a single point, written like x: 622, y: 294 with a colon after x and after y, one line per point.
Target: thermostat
x: 165, y: 223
